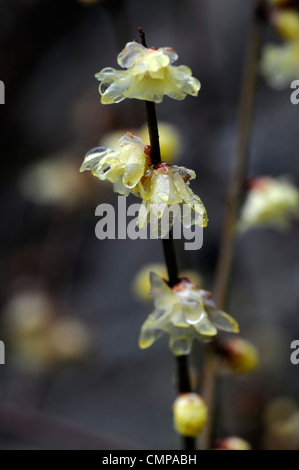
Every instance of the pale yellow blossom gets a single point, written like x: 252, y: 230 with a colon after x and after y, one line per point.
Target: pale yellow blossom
x: 171, y: 140
x: 280, y: 64
x: 167, y: 185
x: 185, y: 313
x: 233, y: 443
x: 271, y: 202
x: 286, y: 23
x: 149, y: 76
x: 239, y: 356
x: 124, y: 166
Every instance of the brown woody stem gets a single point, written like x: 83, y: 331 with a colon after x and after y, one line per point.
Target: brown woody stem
x: 183, y: 380
x: 235, y: 194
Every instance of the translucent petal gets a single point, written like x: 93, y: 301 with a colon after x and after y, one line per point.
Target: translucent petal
x: 127, y: 57
x: 161, y: 292
x: 118, y: 187
x: 223, y: 321
x: 194, y: 314
x: 206, y: 328
x: 93, y: 157
x: 148, y: 336
x: 133, y: 174
x: 180, y: 346
x: 170, y: 53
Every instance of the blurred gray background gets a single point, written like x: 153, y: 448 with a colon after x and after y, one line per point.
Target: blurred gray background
x: 121, y: 397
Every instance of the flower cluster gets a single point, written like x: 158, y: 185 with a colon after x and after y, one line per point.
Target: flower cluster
x: 280, y: 62
x: 164, y: 186
x: 149, y: 76
x: 185, y: 313
x: 130, y: 169
x: 271, y: 202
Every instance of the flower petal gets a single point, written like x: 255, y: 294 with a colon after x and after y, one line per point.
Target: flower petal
x: 223, y: 321
x: 180, y: 346
x: 206, y: 328
x: 93, y: 157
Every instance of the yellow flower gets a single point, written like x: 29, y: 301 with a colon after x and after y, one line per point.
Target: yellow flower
x: 185, y: 313
x: 239, y: 356
x: 40, y: 336
x: 170, y: 140
x: 190, y: 414
x: 287, y: 24
x: 164, y: 186
x: 149, y: 76
x: 280, y: 64
x: 271, y: 202
x: 141, y: 283
x: 233, y: 443
x: 124, y: 166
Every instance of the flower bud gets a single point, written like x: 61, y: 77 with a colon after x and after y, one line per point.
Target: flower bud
x: 190, y: 414
x: 239, y: 356
x: 233, y: 443
x: 287, y: 24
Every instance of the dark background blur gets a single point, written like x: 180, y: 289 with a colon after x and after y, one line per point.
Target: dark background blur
x: 120, y: 396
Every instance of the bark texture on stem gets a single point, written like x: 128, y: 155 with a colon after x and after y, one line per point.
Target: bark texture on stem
x: 235, y: 194
x: 168, y: 249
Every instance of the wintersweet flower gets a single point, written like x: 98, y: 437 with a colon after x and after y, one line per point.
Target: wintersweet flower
x: 165, y: 185
x: 171, y: 140
x: 185, y: 313
x: 233, y: 443
x: 124, y: 166
x: 149, y: 76
x: 286, y: 23
x: 239, y: 356
x: 190, y: 414
x: 141, y: 283
x: 280, y: 64
x: 271, y: 202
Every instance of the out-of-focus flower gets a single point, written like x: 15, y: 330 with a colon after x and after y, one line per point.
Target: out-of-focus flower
x: 239, y: 356
x: 287, y: 24
x: 165, y: 185
x: 190, y: 414
x: 124, y: 166
x: 38, y: 339
x: 55, y: 181
x: 282, y: 3
x: 185, y: 313
x: 169, y: 136
x: 233, y: 443
x: 282, y: 425
x: 280, y: 64
x: 170, y: 140
x: 149, y: 76
x: 111, y: 139
x: 141, y: 282
x: 70, y: 340
x: 270, y: 202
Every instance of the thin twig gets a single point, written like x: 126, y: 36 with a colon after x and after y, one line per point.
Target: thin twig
x: 168, y: 249
x: 224, y: 268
